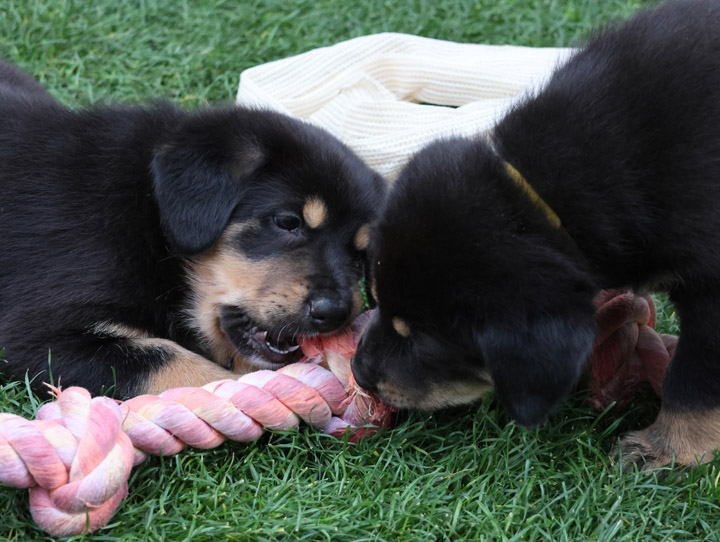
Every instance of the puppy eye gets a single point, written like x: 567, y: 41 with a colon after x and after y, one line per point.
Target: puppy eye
x: 289, y: 223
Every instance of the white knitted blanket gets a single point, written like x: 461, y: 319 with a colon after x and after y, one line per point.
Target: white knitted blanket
x: 387, y: 95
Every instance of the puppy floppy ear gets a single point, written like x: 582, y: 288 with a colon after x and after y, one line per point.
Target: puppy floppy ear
x: 534, y: 366
x: 198, y: 181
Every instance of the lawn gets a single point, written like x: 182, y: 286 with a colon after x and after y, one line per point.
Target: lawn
x: 459, y: 474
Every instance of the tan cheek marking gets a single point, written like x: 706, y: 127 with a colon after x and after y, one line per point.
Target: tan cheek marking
x: 217, y: 278
x: 435, y: 397
x: 394, y: 395
x: 401, y: 327
x: 373, y: 290
x: 357, y: 303
x: 314, y: 212
x: 267, y: 290
x: 185, y: 368
x: 362, y: 237
x: 453, y: 394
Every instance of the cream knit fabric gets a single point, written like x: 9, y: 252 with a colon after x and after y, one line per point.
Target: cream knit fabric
x: 387, y: 95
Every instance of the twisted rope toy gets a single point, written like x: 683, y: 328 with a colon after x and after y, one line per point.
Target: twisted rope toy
x: 76, y: 457
x: 627, y: 351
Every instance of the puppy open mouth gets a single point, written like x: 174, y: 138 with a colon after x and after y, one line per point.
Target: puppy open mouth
x: 275, y: 348
x: 263, y: 347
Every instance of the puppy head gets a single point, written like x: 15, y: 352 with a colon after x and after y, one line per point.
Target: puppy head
x: 473, y: 291
x: 272, y: 216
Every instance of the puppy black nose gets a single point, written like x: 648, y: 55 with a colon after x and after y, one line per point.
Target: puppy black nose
x: 328, y: 314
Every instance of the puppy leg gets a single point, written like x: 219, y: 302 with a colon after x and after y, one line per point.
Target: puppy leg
x: 181, y: 368
x: 119, y: 361
x: 687, y: 438
x: 687, y: 429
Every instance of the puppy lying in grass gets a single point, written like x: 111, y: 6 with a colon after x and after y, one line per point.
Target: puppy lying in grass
x: 147, y: 248
x: 489, y: 252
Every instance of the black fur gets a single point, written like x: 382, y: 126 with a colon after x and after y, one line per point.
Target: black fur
x: 104, y: 210
x: 623, y: 143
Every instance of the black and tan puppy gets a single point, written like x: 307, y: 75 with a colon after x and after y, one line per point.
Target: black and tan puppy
x: 148, y: 247
x: 489, y: 254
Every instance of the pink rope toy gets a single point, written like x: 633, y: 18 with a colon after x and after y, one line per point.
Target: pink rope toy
x: 77, y: 455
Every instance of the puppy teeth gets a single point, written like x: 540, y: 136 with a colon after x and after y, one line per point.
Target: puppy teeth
x: 276, y: 350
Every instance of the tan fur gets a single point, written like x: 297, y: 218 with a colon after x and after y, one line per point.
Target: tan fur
x: 688, y: 438
x: 315, y: 212
x: 266, y: 289
x: 357, y: 305
x: 119, y: 331
x: 362, y: 237
x: 184, y: 369
x: 440, y: 396
x: 401, y: 327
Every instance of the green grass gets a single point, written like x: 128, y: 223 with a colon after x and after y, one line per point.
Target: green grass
x: 460, y: 474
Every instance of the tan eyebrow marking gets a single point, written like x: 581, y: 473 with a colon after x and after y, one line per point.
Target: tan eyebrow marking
x: 401, y: 327
x: 314, y: 212
x: 362, y: 237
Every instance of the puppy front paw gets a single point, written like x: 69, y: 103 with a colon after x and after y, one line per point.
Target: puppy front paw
x: 683, y: 438
x: 635, y: 450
